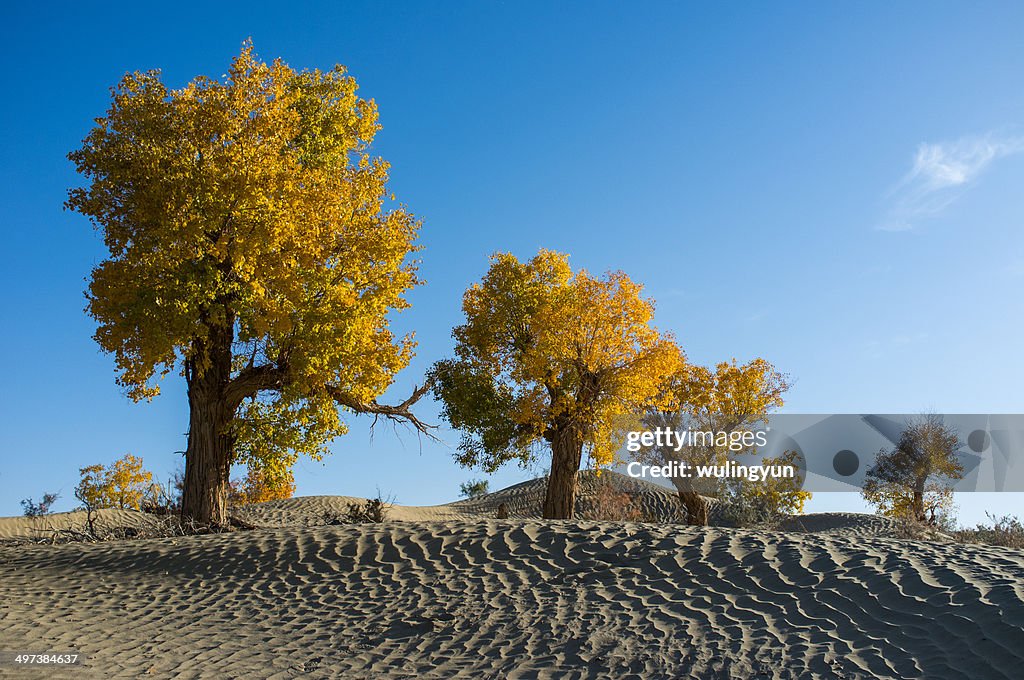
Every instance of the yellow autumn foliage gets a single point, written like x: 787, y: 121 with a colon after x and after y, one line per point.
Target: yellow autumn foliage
x: 259, y: 486
x: 549, y: 356
x: 124, y: 484
x: 254, y: 248
x: 782, y: 495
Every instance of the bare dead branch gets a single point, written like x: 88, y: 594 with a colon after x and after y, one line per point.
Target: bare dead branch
x: 399, y: 413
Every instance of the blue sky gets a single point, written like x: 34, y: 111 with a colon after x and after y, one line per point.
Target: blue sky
x: 834, y: 187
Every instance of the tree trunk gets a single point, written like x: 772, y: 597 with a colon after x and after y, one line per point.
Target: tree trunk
x: 917, y: 497
x: 566, y: 455
x: 917, y: 506
x: 210, y: 448
x: 696, y: 508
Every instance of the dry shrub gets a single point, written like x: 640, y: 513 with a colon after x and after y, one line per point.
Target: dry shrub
x: 751, y: 511
x: 33, y: 509
x: 94, y: 530
x: 165, y: 499
x: 1006, y: 531
x: 912, y: 529
x: 371, y: 511
x: 374, y: 510
x: 938, y: 525
x: 608, y: 503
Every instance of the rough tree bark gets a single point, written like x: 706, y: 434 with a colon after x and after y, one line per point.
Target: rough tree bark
x: 210, y: 447
x: 566, y: 455
x: 917, y: 503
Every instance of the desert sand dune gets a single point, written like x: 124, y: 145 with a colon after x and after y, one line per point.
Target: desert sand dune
x: 443, y: 592
x: 519, y: 598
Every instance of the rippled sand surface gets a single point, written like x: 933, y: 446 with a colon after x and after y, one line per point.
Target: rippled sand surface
x: 455, y: 595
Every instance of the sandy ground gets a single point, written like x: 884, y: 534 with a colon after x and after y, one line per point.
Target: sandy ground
x: 447, y: 591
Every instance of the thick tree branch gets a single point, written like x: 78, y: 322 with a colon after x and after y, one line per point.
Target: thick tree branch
x: 254, y: 379
x: 398, y: 413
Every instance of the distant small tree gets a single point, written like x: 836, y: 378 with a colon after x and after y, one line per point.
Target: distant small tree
x: 914, y: 480
x: 474, y: 488
x: 730, y: 398
x: 124, y: 485
x: 767, y: 501
x: 33, y: 509
x: 261, y: 485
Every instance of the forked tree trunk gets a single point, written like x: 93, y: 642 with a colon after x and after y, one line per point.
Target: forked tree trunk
x: 210, y: 443
x: 566, y: 455
x: 696, y: 508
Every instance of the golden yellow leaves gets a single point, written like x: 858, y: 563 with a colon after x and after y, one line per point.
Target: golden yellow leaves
x: 124, y: 484
x: 572, y: 347
x: 249, y: 208
x: 782, y: 494
x: 260, y: 485
x: 250, y: 201
x: 742, y: 393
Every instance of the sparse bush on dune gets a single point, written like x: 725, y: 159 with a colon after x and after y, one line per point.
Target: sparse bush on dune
x: 474, y: 488
x: 33, y: 509
x: 605, y: 502
x: 374, y: 510
x: 745, y: 511
x: 1006, y: 531
x: 165, y: 499
x: 371, y: 511
x: 940, y: 525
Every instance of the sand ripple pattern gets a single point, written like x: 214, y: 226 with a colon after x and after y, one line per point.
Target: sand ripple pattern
x: 521, y: 501
x: 519, y: 599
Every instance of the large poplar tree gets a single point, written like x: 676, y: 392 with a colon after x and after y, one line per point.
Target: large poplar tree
x: 254, y: 249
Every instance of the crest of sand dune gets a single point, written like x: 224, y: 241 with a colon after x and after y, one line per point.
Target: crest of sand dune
x: 444, y: 591
x: 520, y: 501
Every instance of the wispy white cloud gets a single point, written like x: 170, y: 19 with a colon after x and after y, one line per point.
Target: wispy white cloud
x: 940, y: 174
